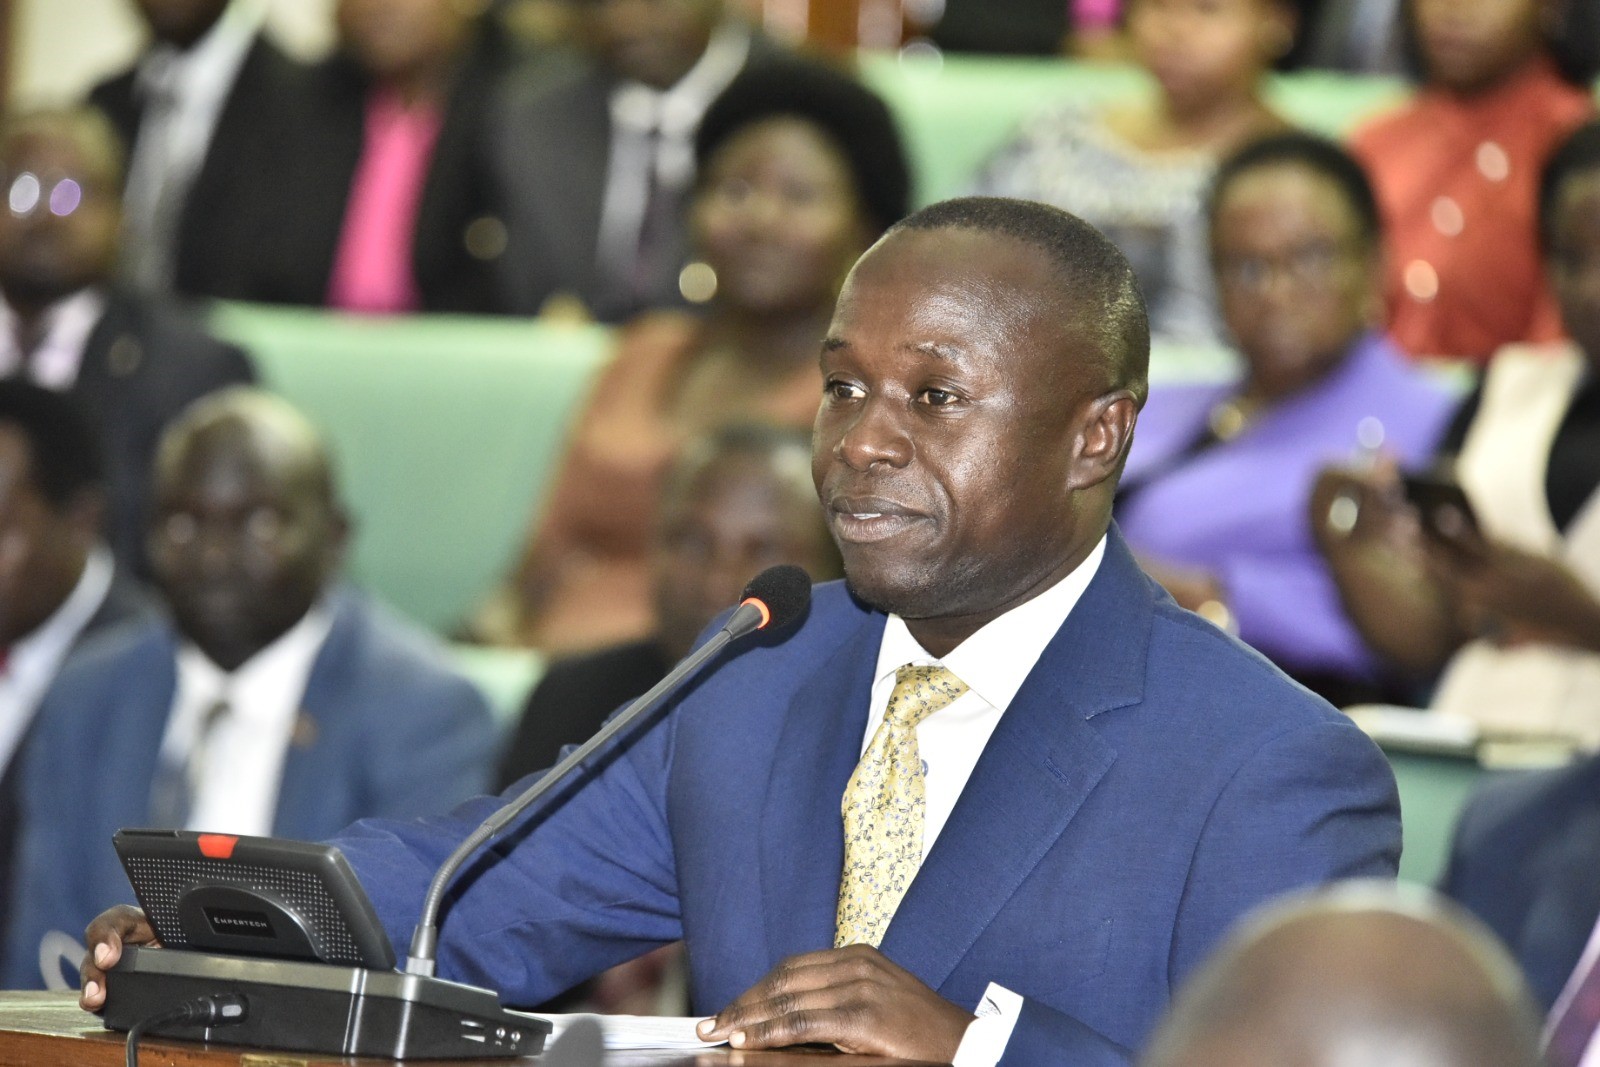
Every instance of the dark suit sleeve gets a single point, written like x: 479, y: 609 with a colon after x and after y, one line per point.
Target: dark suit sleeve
x: 1310, y: 806
x: 56, y: 885
x: 569, y: 894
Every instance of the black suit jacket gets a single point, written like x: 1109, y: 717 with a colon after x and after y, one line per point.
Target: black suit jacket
x: 550, y: 162
x: 143, y: 364
x: 124, y: 600
x: 574, y: 699
x: 458, y: 231
x: 235, y: 199
x: 1526, y: 860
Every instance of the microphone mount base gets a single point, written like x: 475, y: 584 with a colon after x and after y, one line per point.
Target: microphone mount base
x: 321, y: 1008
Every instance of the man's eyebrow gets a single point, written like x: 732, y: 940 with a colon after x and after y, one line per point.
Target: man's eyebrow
x: 942, y: 352
x: 833, y: 344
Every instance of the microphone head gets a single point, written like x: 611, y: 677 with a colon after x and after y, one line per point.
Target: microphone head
x: 782, y: 592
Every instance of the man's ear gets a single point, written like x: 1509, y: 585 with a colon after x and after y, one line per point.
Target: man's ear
x: 1104, y: 437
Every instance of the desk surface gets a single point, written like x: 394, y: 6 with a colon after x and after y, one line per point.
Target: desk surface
x: 40, y: 1029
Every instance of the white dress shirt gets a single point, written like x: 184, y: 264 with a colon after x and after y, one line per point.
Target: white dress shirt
x: 236, y: 791
x: 35, y: 659
x: 640, y: 113
x: 994, y: 662
x: 55, y: 361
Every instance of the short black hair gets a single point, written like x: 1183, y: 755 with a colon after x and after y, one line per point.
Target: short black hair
x: 1316, y: 154
x: 1578, y: 154
x: 853, y: 117
x: 65, y: 458
x: 1094, y: 278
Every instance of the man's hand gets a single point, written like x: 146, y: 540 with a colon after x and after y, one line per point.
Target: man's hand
x: 852, y: 998
x: 105, y: 937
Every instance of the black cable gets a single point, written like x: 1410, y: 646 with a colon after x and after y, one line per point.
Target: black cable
x: 219, y: 1009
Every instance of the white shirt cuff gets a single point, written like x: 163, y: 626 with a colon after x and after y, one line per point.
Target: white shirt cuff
x: 985, y: 1040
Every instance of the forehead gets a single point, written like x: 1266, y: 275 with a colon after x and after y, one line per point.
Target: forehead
x: 230, y: 459
x: 956, y: 289
x: 1282, y: 196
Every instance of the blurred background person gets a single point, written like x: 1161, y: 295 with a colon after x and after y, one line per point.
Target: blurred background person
x: 596, y: 159
x: 1509, y: 606
x: 1522, y: 860
x: 1354, y: 975
x: 738, y: 501
x: 1138, y: 170
x: 128, y: 359
x: 207, y: 115
x: 387, y: 204
x: 275, y: 700
x: 1215, y: 495
x: 58, y: 584
x: 800, y: 169
x: 1456, y: 171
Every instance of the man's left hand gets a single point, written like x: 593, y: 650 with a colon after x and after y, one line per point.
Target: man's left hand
x: 853, y: 998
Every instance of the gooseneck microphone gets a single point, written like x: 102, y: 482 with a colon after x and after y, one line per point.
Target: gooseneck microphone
x: 773, y: 599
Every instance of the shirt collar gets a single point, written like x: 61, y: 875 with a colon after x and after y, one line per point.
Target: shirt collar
x: 292, y: 654
x: 995, y: 661
x: 676, y: 111
x: 58, y: 356
x: 208, y: 66
x: 51, y: 639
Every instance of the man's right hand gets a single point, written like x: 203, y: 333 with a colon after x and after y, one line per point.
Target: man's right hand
x: 122, y: 925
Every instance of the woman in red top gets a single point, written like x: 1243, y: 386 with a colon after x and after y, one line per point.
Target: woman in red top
x: 1456, y: 172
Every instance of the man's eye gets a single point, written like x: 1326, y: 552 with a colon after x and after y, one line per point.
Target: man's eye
x: 939, y: 397
x: 844, y: 390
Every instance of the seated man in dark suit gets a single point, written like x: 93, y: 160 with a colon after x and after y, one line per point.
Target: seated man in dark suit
x: 130, y: 361
x: 996, y: 769
x: 275, y: 701
x: 1524, y: 861
x: 1362, y: 973
x: 58, y: 584
x: 737, y: 502
x: 207, y: 116
x: 595, y: 158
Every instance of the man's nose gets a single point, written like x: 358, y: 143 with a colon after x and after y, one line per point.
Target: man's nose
x: 876, y: 434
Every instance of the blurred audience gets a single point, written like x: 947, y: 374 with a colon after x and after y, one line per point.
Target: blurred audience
x: 387, y: 204
x: 208, y: 114
x: 1214, y: 497
x: 130, y: 360
x: 1139, y: 170
x: 596, y: 160
x: 275, y: 701
x: 1356, y: 975
x: 737, y: 502
x: 800, y: 168
x: 1457, y: 169
x: 58, y: 584
x: 1523, y: 861
x: 1508, y: 602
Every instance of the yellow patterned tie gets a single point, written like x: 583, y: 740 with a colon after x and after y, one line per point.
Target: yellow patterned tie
x: 883, y: 808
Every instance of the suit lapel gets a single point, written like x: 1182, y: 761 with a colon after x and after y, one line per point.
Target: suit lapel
x: 311, y: 762
x: 1040, y: 765
x: 802, y: 832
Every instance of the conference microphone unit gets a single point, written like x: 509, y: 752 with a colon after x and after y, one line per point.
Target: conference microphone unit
x: 283, y: 931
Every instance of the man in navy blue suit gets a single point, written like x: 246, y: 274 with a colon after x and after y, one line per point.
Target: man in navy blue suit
x: 1103, y: 783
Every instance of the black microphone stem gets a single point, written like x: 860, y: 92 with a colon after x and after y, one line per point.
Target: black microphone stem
x: 425, y: 941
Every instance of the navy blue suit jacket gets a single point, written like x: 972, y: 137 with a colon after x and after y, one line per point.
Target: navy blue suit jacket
x: 386, y: 729
x: 1524, y: 860
x: 1152, y: 780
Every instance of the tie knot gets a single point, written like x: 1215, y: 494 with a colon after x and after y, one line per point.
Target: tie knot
x: 921, y: 691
